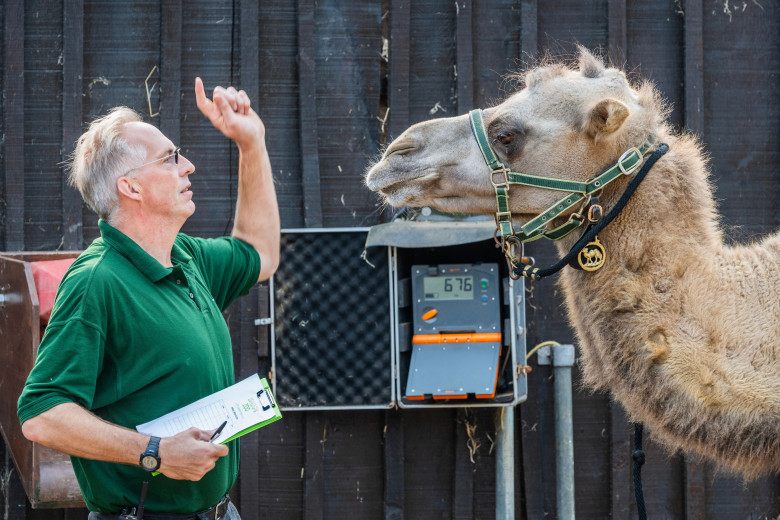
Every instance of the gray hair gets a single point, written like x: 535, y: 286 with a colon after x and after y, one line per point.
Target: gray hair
x: 101, y: 157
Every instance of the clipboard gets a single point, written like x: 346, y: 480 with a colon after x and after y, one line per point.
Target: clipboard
x: 246, y: 406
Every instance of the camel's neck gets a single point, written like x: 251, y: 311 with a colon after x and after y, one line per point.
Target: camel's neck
x: 669, y: 228
x: 670, y: 286
x: 673, y: 203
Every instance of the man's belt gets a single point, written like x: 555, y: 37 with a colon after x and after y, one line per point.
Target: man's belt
x: 213, y: 513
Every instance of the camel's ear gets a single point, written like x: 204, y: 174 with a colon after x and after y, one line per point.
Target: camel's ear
x: 605, y: 117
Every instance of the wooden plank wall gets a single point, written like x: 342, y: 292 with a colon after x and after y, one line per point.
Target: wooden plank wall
x: 334, y: 80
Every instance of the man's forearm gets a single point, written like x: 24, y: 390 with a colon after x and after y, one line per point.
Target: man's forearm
x: 257, y: 211
x: 71, y: 429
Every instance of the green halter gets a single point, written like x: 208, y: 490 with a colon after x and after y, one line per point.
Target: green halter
x: 579, y: 192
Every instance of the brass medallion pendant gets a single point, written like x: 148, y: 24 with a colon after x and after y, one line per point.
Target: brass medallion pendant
x: 592, y: 256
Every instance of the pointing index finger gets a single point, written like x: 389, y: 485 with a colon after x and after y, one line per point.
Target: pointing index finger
x: 200, y: 97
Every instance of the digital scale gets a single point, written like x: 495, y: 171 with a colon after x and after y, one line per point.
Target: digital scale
x: 456, y: 342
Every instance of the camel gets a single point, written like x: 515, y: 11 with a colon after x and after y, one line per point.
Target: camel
x: 682, y: 329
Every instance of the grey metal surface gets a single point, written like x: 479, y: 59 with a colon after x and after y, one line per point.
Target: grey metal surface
x: 509, y: 392
x: 563, y: 359
x: 453, y: 369
x: 406, y: 233
x: 505, y: 466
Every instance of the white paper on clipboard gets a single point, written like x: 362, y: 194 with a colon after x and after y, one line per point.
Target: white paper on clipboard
x: 246, y: 406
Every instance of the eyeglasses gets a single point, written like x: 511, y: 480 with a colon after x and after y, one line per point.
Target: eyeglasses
x: 175, y: 156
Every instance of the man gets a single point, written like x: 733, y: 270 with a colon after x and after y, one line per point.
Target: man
x: 137, y: 329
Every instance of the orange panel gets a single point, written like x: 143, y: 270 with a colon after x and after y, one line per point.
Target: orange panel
x: 480, y: 337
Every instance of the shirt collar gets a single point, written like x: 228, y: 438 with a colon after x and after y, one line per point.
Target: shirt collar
x: 135, y: 254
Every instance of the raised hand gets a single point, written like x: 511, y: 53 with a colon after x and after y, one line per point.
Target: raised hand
x: 230, y: 112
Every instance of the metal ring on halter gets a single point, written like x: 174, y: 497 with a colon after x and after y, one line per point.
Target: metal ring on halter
x: 503, y: 170
x: 625, y: 156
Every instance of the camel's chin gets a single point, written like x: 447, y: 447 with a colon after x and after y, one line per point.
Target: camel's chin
x: 403, y: 196
x: 413, y: 198
x: 460, y: 204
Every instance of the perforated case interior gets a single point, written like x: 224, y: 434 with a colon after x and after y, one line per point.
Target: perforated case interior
x: 332, y: 326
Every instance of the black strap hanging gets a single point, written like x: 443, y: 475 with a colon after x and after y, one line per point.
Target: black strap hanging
x: 639, y: 459
x: 534, y: 273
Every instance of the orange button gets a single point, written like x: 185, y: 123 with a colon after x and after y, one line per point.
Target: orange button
x: 430, y: 314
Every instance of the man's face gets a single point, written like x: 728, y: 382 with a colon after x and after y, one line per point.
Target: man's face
x: 163, y: 185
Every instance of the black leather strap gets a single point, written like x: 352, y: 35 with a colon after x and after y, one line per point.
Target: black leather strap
x: 220, y: 509
x: 536, y: 273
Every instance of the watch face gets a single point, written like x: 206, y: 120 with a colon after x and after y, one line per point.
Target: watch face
x: 149, y: 463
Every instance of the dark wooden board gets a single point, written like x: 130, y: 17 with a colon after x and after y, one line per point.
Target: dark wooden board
x: 348, y: 58
x: 278, y: 103
x: 432, y: 60
x: 429, y: 437
x: 497, y: 50
x: 320, y: 78
x: 742, y: 137
x: 565, y: 23
x: 207, y: 39
x: 72, y: 71
x: 654, y: 39
x: 13, y: 126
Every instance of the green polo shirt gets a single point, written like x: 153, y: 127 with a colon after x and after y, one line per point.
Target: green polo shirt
x: 131, y: 340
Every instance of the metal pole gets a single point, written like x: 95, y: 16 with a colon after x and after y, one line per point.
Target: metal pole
x: 563, y: 360
x: 505, y: 466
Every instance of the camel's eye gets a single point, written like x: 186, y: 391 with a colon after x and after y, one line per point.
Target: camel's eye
x: 505, y: 138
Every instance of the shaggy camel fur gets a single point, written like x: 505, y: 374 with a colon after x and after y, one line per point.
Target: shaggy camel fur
x: 682, y: 329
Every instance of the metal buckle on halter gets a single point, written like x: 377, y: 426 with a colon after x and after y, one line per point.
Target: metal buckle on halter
x: 504, y: 184
x: 513, y: 248
x: 595, y: 213
x: 497, y: 218
x: 500, y: 214
x: 625, y: 156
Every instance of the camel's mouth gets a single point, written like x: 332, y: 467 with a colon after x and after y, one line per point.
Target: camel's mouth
x: 418, y: 195
x: 399, y: 188
x: 402, y: 193
x: 418, y: 181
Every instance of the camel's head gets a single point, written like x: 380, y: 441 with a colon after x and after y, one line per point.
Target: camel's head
x: 567, y: 122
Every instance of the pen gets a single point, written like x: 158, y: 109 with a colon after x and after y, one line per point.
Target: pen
x: 218, y: 431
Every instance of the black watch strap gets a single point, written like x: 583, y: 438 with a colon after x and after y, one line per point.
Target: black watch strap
x: 150, y: 458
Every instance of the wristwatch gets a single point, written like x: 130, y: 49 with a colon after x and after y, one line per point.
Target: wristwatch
x: 150, y: 460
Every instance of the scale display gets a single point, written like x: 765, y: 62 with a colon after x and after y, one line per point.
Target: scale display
x: 448, y: 287
x: 456, y: 298
x: 456, y: 342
